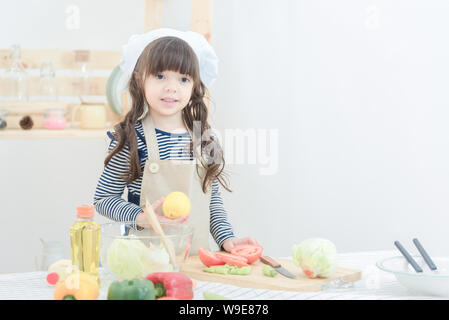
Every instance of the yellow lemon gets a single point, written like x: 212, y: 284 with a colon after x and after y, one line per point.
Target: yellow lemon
x: 176, y: 205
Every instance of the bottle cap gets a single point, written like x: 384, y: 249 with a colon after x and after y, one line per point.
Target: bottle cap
x: 85, y: 211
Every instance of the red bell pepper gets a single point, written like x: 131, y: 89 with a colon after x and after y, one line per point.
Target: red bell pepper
x: 174, y: 285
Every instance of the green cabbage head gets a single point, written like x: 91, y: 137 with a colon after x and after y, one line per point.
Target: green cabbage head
x: 316, y: 257
x: 129, y: 258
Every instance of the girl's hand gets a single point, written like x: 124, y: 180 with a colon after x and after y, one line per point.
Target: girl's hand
x: 157, y: 207
x: 142, y: 220
x: 230, y: 243
x: 160, y: 216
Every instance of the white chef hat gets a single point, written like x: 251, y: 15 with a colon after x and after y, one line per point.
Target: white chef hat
x: 208, y: 60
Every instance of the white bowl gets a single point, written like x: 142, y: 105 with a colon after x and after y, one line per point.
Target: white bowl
x: 428, y: 282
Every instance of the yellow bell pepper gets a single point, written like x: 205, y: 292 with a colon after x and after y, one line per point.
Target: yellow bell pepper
x: 77, y: 286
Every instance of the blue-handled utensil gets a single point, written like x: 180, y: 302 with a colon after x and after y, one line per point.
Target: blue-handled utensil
x: 407, y: 256
x: 424, y: 254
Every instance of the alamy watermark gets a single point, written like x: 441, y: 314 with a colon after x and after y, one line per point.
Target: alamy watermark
x: 254, y: 146
x: 372, y: 20
x: 72, y: 21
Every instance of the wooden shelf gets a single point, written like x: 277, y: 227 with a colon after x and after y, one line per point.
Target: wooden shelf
x: 53, y: 134
x: 65, y: 86
x: 63, y: 59
x: 98, y: 60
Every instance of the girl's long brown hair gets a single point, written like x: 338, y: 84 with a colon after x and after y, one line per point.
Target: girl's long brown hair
x: 174, y: 54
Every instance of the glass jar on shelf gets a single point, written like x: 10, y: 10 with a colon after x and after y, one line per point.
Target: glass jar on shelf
x: 47, y: 82
x: 55, y: 119
x: 16, y: 77
x: 82, y: 74
x: 3, y: 123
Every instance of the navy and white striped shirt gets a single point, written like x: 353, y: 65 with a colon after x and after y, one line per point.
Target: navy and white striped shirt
x: 108, y: 199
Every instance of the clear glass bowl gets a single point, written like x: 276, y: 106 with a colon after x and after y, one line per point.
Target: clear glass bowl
x: 126, y: 252
x: 428, y: 282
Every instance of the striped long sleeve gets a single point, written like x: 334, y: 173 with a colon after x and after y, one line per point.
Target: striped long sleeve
x: 108, y: 199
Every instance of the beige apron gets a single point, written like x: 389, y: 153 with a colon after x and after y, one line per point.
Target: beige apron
x: 160, y: 177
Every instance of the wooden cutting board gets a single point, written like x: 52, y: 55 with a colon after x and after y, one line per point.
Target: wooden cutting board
x: 193, y: 267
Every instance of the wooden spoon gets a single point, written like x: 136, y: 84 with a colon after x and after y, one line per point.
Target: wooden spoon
x: 154, y: 222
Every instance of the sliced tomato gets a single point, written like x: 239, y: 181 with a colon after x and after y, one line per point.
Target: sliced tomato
x: 232, y: 259
x: 208, y: 258
x: 249, y: 251
x: 221, y: 254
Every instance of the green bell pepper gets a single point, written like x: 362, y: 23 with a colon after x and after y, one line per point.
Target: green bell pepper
x: 135, y: 289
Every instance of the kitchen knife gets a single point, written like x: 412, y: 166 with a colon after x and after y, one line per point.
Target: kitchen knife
x: 271, y: 262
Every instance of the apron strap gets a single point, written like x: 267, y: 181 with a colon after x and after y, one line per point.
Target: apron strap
x: 151, y: 140
x: 141, y: 137
x: 142, y: 153
x: 150, y: 137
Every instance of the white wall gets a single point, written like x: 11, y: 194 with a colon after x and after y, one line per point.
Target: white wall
x: 357, y: 90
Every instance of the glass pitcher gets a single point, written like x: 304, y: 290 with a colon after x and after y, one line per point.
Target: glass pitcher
x: 52, y: 251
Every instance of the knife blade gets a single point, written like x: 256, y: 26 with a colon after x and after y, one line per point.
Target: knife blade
x: 280, y: 269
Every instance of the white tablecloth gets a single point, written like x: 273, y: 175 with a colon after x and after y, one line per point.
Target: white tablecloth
x: 375, y: 285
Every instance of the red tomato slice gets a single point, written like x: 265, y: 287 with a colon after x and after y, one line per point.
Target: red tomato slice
x: 249, y: 251
x: 221, y: 254
x: 231, y: 259
x: 208, y: 258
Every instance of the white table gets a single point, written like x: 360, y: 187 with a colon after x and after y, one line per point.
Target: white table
x: 375, y: 285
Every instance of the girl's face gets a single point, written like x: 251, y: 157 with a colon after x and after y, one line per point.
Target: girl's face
x: 168, y: 92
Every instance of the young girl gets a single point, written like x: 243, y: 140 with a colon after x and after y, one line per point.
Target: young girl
x: 167, y: 103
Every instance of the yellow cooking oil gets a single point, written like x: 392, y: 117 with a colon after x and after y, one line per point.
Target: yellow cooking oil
x: 85, y: 241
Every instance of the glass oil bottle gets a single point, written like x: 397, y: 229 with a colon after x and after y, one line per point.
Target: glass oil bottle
x: 85, y: 241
